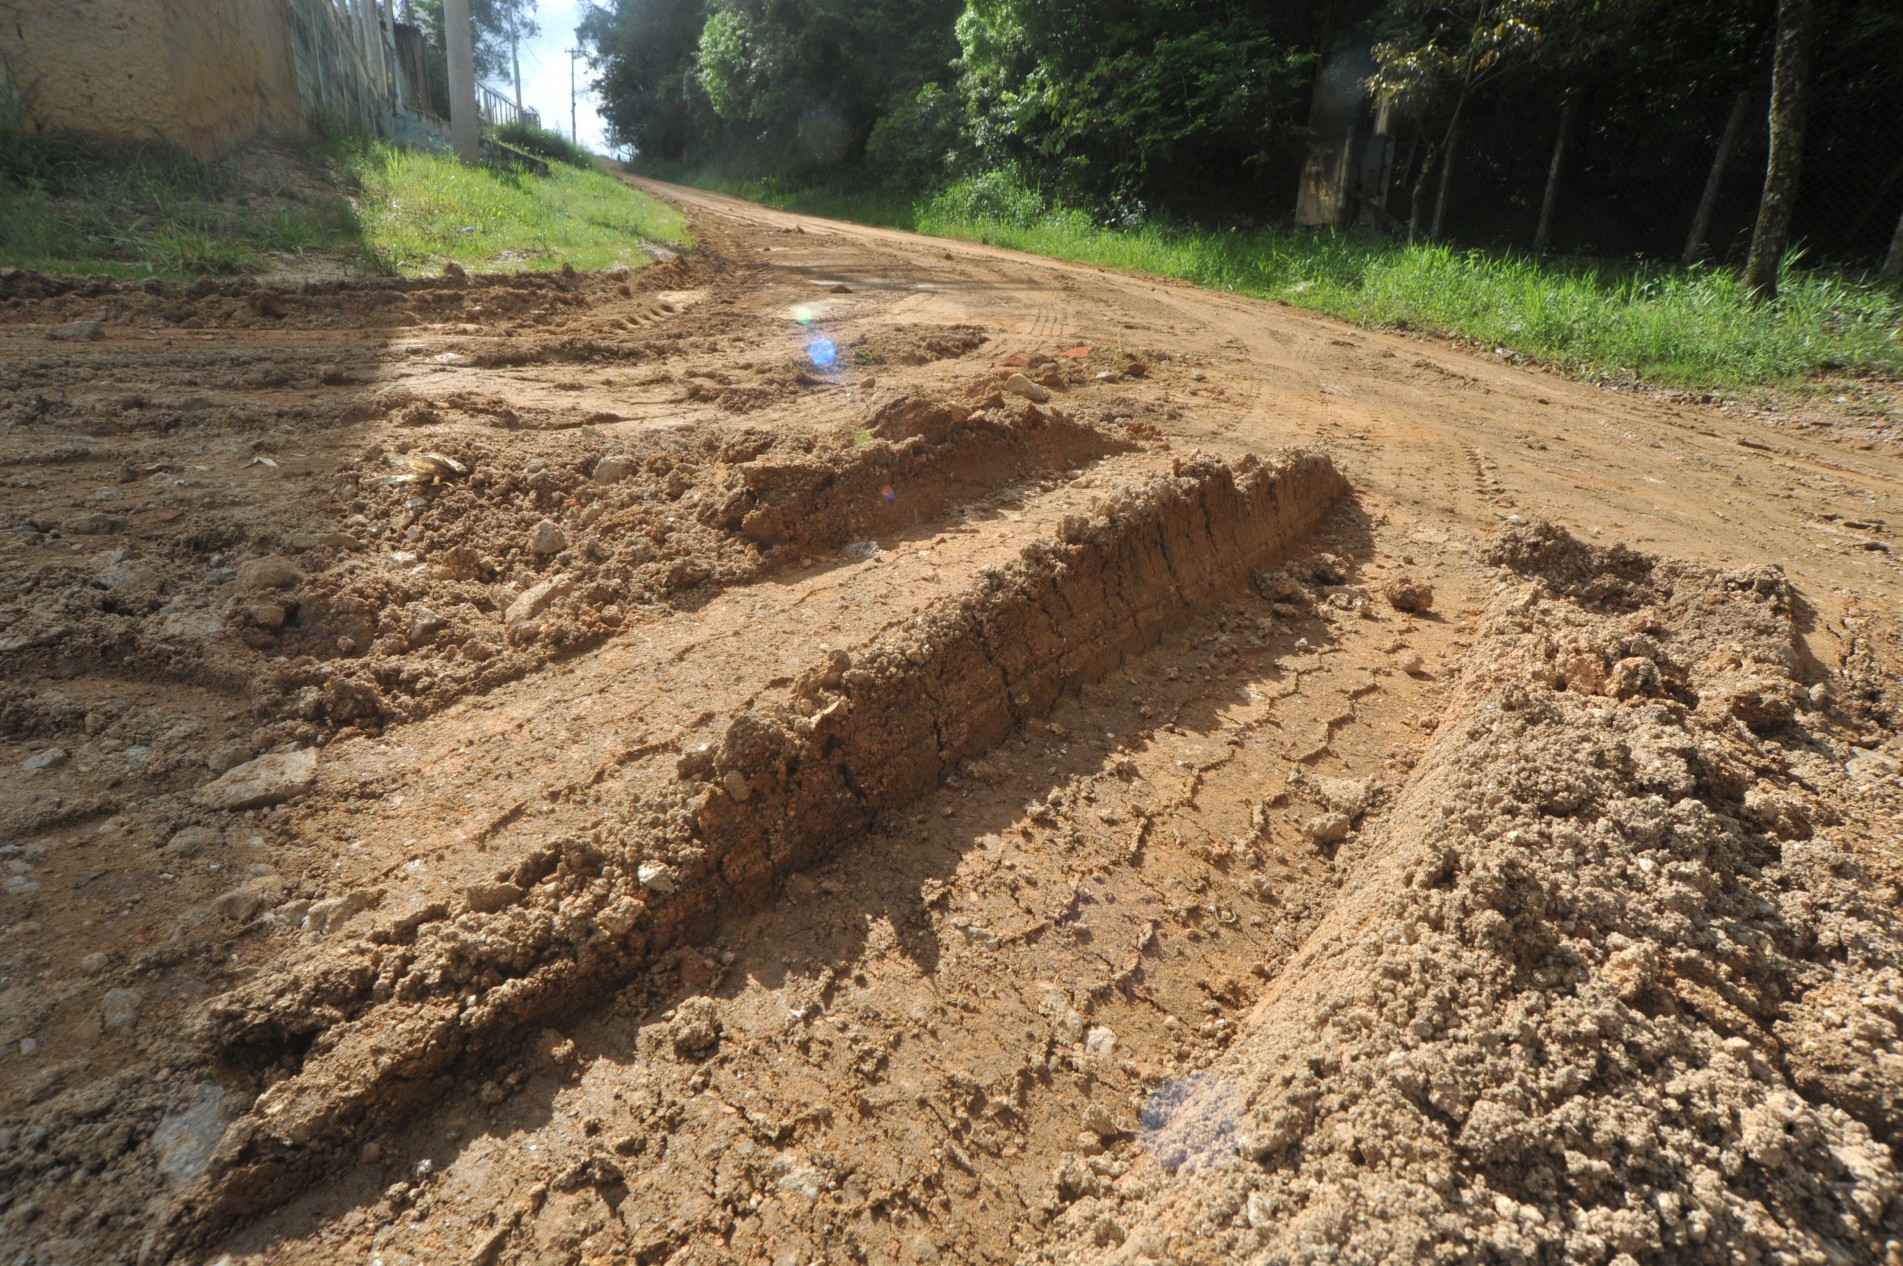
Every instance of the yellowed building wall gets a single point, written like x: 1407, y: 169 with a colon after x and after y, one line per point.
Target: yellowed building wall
x: 202, y: 74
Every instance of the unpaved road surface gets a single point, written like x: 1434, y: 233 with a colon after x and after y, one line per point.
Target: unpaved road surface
x: 839, y: 747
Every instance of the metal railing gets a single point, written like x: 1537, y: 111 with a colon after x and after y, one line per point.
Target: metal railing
x: 497, y: 110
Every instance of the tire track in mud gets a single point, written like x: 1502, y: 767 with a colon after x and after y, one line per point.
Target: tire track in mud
x: 848, y: 742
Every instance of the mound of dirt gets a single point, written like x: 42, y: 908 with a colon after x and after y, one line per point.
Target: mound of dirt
x: 1596, y: 994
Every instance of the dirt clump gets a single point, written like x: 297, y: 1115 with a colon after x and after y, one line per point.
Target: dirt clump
x: 1574, y: 1003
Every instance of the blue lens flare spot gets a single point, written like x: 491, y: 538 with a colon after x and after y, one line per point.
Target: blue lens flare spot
x: 822, y: 352
x: 888, y: 494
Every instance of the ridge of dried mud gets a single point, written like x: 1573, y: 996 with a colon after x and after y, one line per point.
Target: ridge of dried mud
x: 1594, y: 994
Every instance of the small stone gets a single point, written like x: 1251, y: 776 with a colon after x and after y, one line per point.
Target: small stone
x: 226, y: 757
x: 190, y: 841
x: 656, y: 877
x: 338, y: 541
x: 271, y: 572
x: 1328, y: 828
x: 1404, y: 593
x: 94, y: 963
x: 371, y: 1153
x: 454, y: 271
x: 547, y: 537
x: 77, y: 332
x: 489, y: 898
x: 868, y: 383
x: 527, y: 609
x: 1101, y: 1042
x: 120, y: 1010
x: 332, y: 913
x: 1098, y: 1121
x: 736, y: 784
x: 1411, y: 663
x: 425, y: 624
x: 240, y: 904
x: 28, y: 1045
x: 696, y: 1027
x: 48, y: 759
x: 1019, y: 385
x: 185, y: 1140
x: 96, y: 524
x: 267, y: 780
x: 613, y: 469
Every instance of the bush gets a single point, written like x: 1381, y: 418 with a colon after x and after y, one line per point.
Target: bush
x: 543, y: 143
x: 996, y: 197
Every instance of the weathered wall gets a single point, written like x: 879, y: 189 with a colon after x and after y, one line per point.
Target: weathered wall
x: 204, y: 74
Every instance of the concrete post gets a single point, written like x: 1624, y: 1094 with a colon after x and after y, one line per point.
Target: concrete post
x: 464, y: 128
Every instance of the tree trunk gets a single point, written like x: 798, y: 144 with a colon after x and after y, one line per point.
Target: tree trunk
x: 1892, y: 274
x: 1549, y: 204
x: 1417, y: 202
x: 1700, y: 235
x: 1790, y: 99
x: 1447, y: 178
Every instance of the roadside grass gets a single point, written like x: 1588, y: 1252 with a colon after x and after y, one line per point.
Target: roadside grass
x: 419, y: 209
x: 1669, y: 325
x: 543, y: 143
x: 324, y: 203
x: 1666, y: 325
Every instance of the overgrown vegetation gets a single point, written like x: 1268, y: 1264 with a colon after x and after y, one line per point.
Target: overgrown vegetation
x: 420, y: 209
x: 151, y: 210
x: 543, y: 143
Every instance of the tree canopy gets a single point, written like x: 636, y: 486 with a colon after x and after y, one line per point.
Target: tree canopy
x: 1599, y: 120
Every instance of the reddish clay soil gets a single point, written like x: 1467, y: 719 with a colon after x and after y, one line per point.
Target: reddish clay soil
x: 845, y: 748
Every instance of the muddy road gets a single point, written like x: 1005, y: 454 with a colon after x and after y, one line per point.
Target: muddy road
x: 841, y: 747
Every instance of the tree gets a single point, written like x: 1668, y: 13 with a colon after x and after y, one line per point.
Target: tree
x: 1790, y: 99
x: 1442, y: 47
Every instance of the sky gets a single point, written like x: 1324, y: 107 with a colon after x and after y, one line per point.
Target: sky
x: 545, y: 74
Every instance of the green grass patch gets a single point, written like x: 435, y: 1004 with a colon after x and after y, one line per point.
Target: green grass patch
x: 1669, y: 325
x: 1673, y: 326
x: 153, y: 211
x: 419, y: 210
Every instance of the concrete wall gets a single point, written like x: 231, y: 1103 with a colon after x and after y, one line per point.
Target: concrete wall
x: 203, y: 74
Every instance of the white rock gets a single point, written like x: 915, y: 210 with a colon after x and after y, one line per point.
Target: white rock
x: 547, y: 537
x: 530, y: 606
x: 656, y: 877
x: 267, y: 780
x: 1328, y: 828
x: 47, y: 759
x: 1101, y: 1042
x: 328, y: 915
x: 1019, y: 385
x: 613, y: 469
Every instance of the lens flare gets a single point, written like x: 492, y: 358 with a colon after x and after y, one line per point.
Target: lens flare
x: 822, y: 352
x: 888, y: 494
x: 803, y: 315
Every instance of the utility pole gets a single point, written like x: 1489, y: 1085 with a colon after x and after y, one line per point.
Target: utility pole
x: 574, y: 132
x: 464, y: 131
x: 515, y: 55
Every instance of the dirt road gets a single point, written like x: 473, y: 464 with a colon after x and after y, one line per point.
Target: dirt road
x: 843, y: 747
